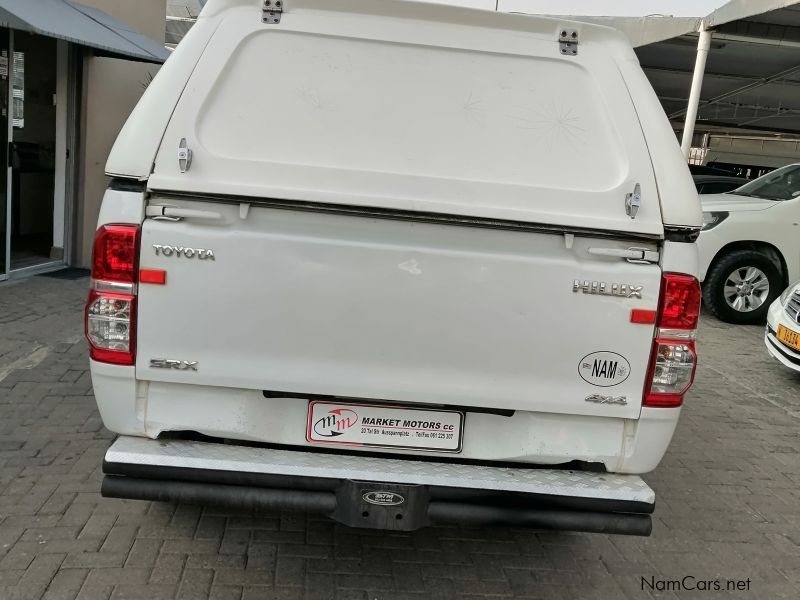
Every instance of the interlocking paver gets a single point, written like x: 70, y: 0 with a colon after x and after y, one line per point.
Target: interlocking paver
x: 728, y: 492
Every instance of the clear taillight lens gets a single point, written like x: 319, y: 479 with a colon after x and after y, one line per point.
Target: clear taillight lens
x: 674, y: 359
x: 110, y: 319
x: 110, y: 327
x: 673, y: 367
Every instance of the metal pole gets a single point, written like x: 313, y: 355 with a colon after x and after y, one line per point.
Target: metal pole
x: 703, y: 45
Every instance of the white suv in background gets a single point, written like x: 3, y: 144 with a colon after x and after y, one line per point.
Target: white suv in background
x: 750, y: 245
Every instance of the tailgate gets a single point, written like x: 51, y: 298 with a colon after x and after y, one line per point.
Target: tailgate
x: 369, y: 125
x: 319, y: 303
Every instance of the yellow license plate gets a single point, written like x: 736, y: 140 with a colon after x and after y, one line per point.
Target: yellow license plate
x: 789, y: 337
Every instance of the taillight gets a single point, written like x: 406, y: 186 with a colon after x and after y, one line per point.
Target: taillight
x: 680, y: 302
x: 115, y: 251
x: 674, y: 358
x: 110, y: 318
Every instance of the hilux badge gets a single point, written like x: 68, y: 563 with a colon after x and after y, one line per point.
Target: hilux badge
x: 601, y: 288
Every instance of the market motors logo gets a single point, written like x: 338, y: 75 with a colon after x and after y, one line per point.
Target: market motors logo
x: 336, y: 422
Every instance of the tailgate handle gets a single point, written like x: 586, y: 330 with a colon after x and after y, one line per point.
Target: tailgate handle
x: 634, y: 255
x: 175, y: 213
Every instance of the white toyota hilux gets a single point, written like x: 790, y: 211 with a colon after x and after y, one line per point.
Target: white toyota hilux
x: 399, y: 264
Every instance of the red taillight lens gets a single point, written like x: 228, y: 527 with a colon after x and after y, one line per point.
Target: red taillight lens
x: 110, y: 318
x: 680, y: 302
x: 674, y: 359
x: 115, y: 253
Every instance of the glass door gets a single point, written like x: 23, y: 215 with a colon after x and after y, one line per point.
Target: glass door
x: 5, y: 168
x: 32, y: 151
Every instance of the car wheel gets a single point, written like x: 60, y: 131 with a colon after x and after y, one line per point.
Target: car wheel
x: 741, y: 285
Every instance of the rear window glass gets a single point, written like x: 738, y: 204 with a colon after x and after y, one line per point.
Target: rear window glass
x: 413, y: 110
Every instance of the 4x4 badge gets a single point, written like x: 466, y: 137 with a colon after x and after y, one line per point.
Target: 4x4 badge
x: 601, y: 288
x: 600, y: 399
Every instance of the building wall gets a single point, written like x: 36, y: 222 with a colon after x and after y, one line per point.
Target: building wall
x: 111, y: 88
x: 753, y: 151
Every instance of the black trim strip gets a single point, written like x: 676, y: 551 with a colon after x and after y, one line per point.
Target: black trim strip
x: 501, y: 412
x: 408, y: 215
x: 121, y: 184
x: 247, y: 498
x: 590, y: 522
x: 686, y: 235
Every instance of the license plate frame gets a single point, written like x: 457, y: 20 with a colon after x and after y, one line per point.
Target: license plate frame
x: 385, y: 426
x: 789, y: 337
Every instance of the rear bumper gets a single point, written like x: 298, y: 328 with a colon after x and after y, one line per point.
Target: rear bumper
x: 150, y: 409
x: 382, y: 493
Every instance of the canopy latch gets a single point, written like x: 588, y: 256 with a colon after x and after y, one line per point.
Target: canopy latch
x: 184, y: 156
x: 633, y: 201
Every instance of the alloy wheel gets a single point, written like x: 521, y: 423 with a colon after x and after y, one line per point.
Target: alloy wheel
x: 746, y: 289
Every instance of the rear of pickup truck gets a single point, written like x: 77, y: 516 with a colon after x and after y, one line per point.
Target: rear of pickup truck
x: 398, y: 264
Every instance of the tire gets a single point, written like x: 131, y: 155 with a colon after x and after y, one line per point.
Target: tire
x: 738, y: 268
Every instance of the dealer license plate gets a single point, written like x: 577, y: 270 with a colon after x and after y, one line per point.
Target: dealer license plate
x: 789, y: 337
x: 384, y: 426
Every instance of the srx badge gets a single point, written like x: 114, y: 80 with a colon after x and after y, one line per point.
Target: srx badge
x: 604, y: 369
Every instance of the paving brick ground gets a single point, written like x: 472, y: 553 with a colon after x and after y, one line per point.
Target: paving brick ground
x: 728, y: 500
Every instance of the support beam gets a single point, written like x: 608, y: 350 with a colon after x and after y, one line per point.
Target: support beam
x: 745, y: 88
x: 703, y: 45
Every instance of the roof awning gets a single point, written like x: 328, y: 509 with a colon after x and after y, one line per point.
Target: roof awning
x: 648, y: 29
x: 81, y: 25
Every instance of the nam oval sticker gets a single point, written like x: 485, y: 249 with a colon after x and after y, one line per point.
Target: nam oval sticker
x: 604, y: 369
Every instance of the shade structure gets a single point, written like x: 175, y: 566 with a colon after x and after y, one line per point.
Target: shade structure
x: 81, y: 25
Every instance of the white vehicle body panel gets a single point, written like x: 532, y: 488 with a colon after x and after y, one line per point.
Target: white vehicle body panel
x: 621, y: 445
x: 399, y: 199
x: 390, y: 310
x: 774, y: 223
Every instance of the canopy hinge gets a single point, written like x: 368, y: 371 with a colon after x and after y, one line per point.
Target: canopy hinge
x: 271, y: 14
x: 568, y: 42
